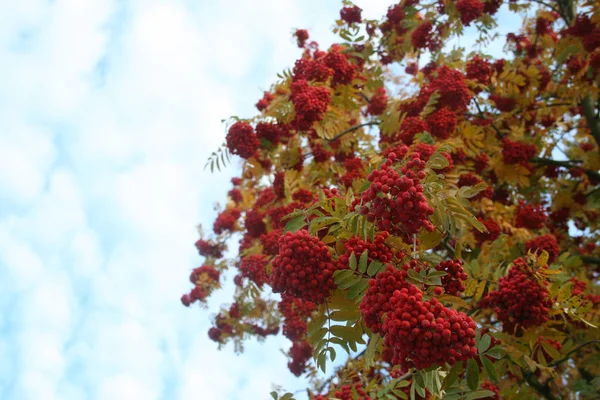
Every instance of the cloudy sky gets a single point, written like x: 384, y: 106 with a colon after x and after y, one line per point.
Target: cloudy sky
x: 108, y: 112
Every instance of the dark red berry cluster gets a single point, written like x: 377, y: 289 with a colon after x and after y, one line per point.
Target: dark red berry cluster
x: 514, y: 152
x: 301, y: 37
x: 378, y: 102
x: 441, y: 123
x: 208, y: 249
x: 548, y: 243
x: 480, y: 70
x: 395, y: 201
x: 423, y: 36
x: 503, y: 103
x: 304, y: 196
x: 295, y: 313
x: 493, y: 231
x: 530, y: 216
x: 270, y: 242
x: 253, y: 267
x: 345, y: 392
x: 487, y: 385
x: 269, y: 131
x: 276, y: 214
x: 376, y: 303
x: 452, y: 282
x: 265, y: 101
x: 303, y: 267
x: 351, y: 15
x: 377, y: 250
x: 242, y: 140
x: 469, y: 10
x: 520, y: 301
x: 254, y: 223
x: 205, y: 279
x: 310, y: 103
x: 226, y: 220
x: 425, y: 333
x: 300, y: 353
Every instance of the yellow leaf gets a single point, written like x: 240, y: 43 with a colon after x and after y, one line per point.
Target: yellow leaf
x: 543, y: 259
x: 480, y: 290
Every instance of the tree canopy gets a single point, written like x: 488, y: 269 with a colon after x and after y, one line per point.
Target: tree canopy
x: 430, y: 211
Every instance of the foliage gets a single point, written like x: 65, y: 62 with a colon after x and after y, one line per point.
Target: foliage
x: 446, y: 237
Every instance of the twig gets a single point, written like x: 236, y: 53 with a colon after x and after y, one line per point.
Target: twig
x: 588, y: 111
x: 568, y: 355
x: 353, y: 128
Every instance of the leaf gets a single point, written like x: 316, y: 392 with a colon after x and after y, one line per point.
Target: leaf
x: 352, y: 261
x: 480, y: 290
x: 348, y: 283
x: 452, y: 375
x: 358, y: 288
x: 490, y: 368
x: 296, y: 223
x: 414, y: 275
x: 317, y: 336
x: 542, y: 260
x: 287, y: 396
x: 374, y: 268
x: 550, y: 350
x: 346, y: 332
x: 362, y: 263
x: 479, y: 394
x: 428, y: 240
x: 332, y: 353
x: 484, y: 343
x: 345, y: 315
x: 371, y: 350
x: 472, y: 374
x: 495, y: 352
x: 274, y: 395
x: 468, y: 192
x: 343, y: 275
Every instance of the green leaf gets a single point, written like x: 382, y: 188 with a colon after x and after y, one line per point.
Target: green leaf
x: 479, y: 394
x: 550, y: 350
x: 342, y: 275
x: 332, y: 353
x: 348, y: 283
x: 414, y: 275
x: 495, y: 352
x: 484, y: 343
x: 452, y: 375
x: 433, y: 273
x: 372, y: 349
x: 362, y: 263
x: 490, y: 368
x: 274, y: 395
x: 287, y: 396
x: 345, y: 315
x: 433, y: 281
x: 346, y: 332
x: 322, y: 362
x: 358, y: 288
x: 316, y: 336
x: 296, y: 223
x: 472, y: 374
x: 374, y: 268
x: 352, y: 261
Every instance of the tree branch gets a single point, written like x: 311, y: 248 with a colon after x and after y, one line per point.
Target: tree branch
x: 590, y: 260
x: 576, y: 349
x: 353, y: 128
x: 567, y: 164
x: 588, y: 111
x: 532, y: 381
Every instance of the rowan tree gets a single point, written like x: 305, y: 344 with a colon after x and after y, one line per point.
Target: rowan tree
x: 436, y: 220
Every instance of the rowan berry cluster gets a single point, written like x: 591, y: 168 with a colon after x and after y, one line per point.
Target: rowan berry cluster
x: 345, y: 392
x: 300, y: 353
x: 548, y: 243
x: 351, y: 15
x: 270, y: 131
x: 276, y: 214
x: 530, y: 216
x: 441, y: 123
x: 422, y: 37
x: 479, y: 70
x: 354, y: 170
x: 226, y: 220
x: 253, y: 267
x: 295, y: 313
x: 242, y: 140
x: 514, y: 152
x: 469, y: 10
x: 205, y: 279
x: 310, y: 103
x: 303, y: 267
x: 487, y: 385
x: 377, y: 250
x: 376, y: 303
x: 520, y: 301
x: 270, y: 242
x: 450, y: 84
x: 378, y: 102
x: 493, y: 231
x: 208, y: 249
x: 395, y: 201
x: 265, y: 101
x: 452, y: 282
x: 425, y: 333
x: 304, y: 196
x: 301, y: 37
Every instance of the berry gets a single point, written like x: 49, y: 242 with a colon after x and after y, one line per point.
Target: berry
x: 253, y: 267
x: 469, y: 10
x: 452, y: 282
x: 351, y: 15
x: 547, y: 243
x: 303, y: 267
x: 242, y: 140
x: 530, y: 216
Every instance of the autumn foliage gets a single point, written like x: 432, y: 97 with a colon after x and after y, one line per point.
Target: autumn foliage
x: 437, y: 221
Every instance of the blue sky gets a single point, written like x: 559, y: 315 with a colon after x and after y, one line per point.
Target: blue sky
x: 108, y: 112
